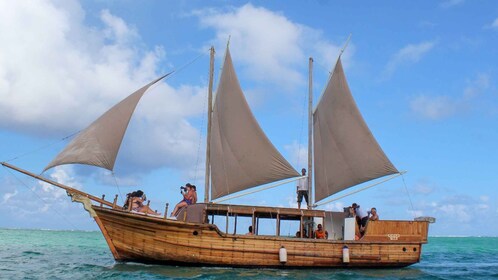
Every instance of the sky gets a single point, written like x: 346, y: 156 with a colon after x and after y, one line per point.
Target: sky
x: 423, y: 74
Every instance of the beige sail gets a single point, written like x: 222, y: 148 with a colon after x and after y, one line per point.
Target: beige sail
x: 241, y: 155
x: 345, y: 151
x: 99, y: 143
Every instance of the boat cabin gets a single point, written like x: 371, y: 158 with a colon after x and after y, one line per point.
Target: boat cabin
x: 229, y: 218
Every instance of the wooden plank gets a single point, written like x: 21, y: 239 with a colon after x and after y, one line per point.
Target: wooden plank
x: 146, y: 238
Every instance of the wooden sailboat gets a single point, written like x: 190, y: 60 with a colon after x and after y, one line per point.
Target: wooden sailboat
x: 239, y: 157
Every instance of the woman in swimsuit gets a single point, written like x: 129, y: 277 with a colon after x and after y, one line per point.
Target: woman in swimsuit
x: 189, y: 198
x: 137, y: 203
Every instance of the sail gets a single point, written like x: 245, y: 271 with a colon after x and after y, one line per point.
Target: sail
x: 241, y: 155
x: 99, y: 143
x: 345, y: 151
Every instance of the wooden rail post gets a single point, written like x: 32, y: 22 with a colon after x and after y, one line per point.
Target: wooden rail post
x: 129, y: 204
x: 114, y: 203
x: 148, y: 207
x: 166, y: 210
x: 278, y: 223
x: 103, y: 196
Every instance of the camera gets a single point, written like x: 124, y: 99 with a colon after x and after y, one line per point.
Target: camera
x: 349, y: 211
x: 183, y: 189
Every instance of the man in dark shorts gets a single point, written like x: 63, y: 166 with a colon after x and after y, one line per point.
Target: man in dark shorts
x: 302, y: 189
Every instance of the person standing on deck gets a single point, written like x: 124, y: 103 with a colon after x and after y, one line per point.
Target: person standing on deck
x: 361, y: 218
x: 302, y: 189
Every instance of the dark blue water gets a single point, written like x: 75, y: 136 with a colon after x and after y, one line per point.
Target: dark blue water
x: 38, y: 254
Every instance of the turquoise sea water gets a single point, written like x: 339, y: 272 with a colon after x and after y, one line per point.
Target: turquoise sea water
x: 40, y: 254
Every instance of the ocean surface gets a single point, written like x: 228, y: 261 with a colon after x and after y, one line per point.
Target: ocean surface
x: 44, y: 254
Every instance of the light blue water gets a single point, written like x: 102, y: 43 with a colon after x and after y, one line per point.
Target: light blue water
x: 38, y: 254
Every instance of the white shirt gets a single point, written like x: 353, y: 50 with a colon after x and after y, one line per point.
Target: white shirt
x: 303, y: 184
x: 360, y: 212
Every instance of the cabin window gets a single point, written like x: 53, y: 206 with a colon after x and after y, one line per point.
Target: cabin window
x: 243, y: 224
x: 266, y: 226
x: 289, y: 228
x: 225, y: 223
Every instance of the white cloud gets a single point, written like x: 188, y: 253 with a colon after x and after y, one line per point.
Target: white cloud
x: 292, y: 201
x: 458, y: 208
x: 58, y: 74
x: 460, y: 211
x: 8, y: 196
x: 271, y: 46
x: 60, y: 174
x: 433, y: 107
x: 409, y: 54
x: 495, y: 23
x: 476, y: 86
x: 42, y: 206
x: 297, y: 154
x: 117, y: 29
x: 423, y: 188
x: 416, y: 213
x: 336, y: 206
x: 258, y: 35
x: 67, y: 70
x: 440, y: 107
x: 451, y: 3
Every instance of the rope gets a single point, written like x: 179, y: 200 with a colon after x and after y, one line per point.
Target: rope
x: 409, y: 198
x: 42, y: 147
x: 201, y: 129
x: 117, y: 186
x: 185, y: 65
x: 71, y: 135
x: 346, y: 44
x: 39, y: 197
x: 324, y: 68
x: 260, y: 189
x: 298, y: 164
x: 362, y: 189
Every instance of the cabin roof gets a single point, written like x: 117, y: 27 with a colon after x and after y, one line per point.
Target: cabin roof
x: 262, y: 211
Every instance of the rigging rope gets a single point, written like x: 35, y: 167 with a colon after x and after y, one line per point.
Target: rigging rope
x: 359, y: 190
x: 39, y: 197
x: 42, y: 147
x: 409, y: 198
x: 301, y: 131
x: 260, y: 189
x: 117, y: 186
x: 184, y: 66
x: 201, y: 129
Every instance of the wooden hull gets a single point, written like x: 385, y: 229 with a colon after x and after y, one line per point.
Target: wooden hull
x: 146, y: 239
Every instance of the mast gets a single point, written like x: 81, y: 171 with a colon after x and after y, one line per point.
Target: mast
x: 310, y: 124
x: 208, y: 136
